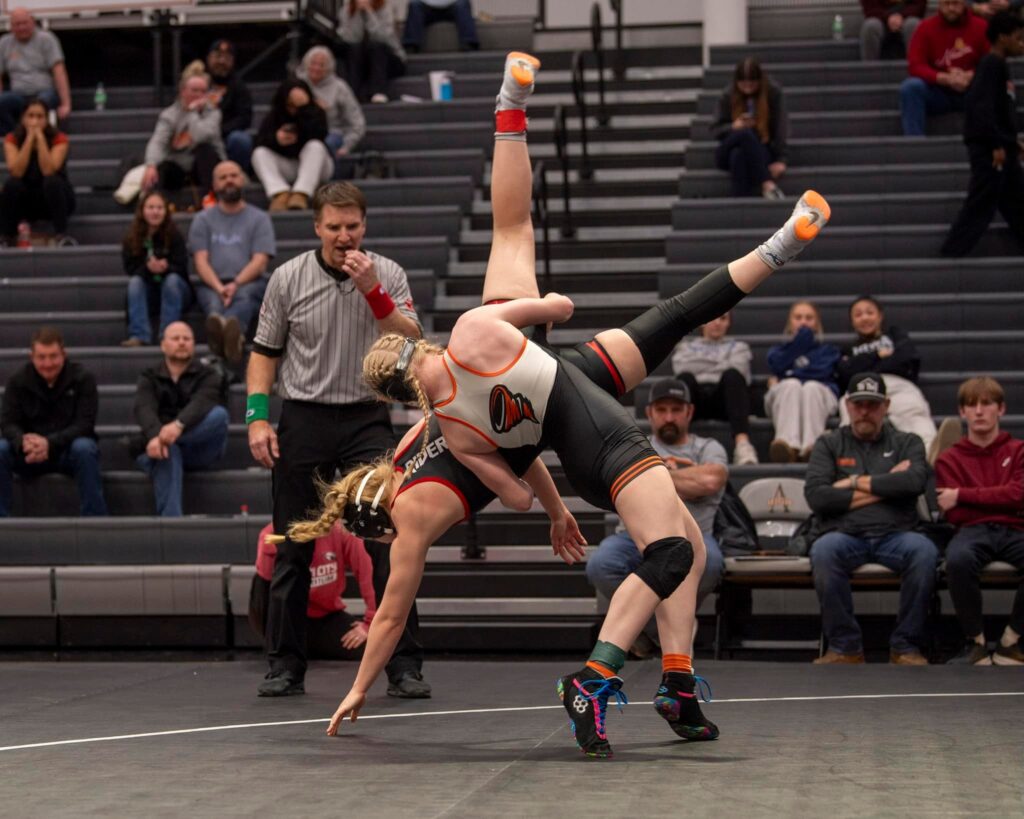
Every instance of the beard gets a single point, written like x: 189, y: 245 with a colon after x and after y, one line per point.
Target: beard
x: 230, y: 194
x: 669, y: 433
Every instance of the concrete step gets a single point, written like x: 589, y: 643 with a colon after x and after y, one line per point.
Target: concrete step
x: 805, y: 21
x: 474, y: 245
x: 828, y: 124
x: 821, y: 98
x: 931, y: 177
x: 788, y: 51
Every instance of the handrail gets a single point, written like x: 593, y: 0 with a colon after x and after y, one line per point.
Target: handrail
x: 562, y: 150
x: 596, y: 44
x: 541, y: 217
x: 619, y: 62
x: 579, y: 92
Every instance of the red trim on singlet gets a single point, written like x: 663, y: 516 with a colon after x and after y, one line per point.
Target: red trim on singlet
x: 497, y: 301
x: 595, y: 345
x: 475, y: 429
x: 634, y: 471
x: 496, y: 373
x: 400, y: 455
x: 443, y: 482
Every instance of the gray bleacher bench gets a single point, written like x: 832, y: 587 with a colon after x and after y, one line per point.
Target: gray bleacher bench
x: 27, y: 618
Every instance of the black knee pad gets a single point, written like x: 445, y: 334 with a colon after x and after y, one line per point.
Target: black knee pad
x: 665, y: 565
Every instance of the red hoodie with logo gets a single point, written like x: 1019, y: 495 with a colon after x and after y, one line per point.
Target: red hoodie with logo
x: 937, y: 46
x: 331, y: 555
x: 990, y: 480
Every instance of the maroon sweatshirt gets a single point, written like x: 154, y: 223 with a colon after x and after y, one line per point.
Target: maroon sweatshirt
x: 990, y: 480
x: 937, y: 46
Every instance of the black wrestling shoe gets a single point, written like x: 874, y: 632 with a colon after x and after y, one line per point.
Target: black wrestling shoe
x: 585, y: 697
x: 677, y: 701
x: 972, y: 654
x: 281, y: 684
x: 409, y: 686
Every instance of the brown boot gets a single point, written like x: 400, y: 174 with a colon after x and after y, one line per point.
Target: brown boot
x: 298, y: 201
x: 215, y: 334
x: 831, y: 657
x: 781, y: 453
x: 908, y: 658
x: 234, y: 340
x: 280, y: 201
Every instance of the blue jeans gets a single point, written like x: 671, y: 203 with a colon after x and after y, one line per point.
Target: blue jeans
x: 197, y: 448
x: 172, y: 295
x: 12, y: 104
x: 746, y: 159
x: 244, y: 305
x: 419, y: 15
x: 920, y: 99
x: 617, y: 557
x: 81, y: 459
x: 238, y: 147
x: 834, y: 557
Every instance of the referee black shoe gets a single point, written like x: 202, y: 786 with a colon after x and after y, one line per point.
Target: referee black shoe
x: 281, y: 684
x: 409, y: 686
x: 677, y: 701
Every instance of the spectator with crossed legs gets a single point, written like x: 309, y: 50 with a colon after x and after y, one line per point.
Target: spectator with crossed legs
x: 427, y: 490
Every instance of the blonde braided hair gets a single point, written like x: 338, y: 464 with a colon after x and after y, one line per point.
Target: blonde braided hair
x: 334, y: 497
x: 379, y: 365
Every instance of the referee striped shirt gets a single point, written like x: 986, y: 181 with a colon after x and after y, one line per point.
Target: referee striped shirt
x: 321, y: 327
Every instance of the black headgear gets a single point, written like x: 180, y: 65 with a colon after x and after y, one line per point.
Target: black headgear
x: 395, y: 386
x: 370, y: 522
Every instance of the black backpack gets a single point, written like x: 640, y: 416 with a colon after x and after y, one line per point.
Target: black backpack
x: 734, y: 528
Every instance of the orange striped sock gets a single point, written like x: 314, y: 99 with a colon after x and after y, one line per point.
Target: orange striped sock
x: 600, y: 668
x: 676, y: 662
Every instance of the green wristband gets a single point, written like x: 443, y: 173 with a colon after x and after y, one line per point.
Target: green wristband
x: 257, y: 407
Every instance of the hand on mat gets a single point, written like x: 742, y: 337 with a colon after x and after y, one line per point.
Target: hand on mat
x: 567, y: 541
x: 352, y: 704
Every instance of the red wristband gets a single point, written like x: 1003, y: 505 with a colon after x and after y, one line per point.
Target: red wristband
x: 512, y: 121
x: 380, y: 302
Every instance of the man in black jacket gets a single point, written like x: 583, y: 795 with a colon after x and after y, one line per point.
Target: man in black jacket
x: 49, y: 423
x: 180, y: 405
x: 990, y: 133
x: 863, y: 481
x: 232, y: 97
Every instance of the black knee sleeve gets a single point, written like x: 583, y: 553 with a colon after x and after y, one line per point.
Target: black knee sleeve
x: 657, y: 331
x: 665, y: 565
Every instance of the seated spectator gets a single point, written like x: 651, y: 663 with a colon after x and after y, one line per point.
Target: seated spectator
x: 156, y: 261
x: 232, y: 98
x: 699, y: 471
x: 48, y: 423
x: 802, y: 389
x: 37, y: 185
x: 181, y: 405
x: 752, y: 127
x: 889, y: 352
x: 331, y: 632
x: 231, y: 245
x: 990, y: 133
x: 291, y: 158
x: 943, y: 54
x: 980, y: 483
x: 863, y: 481
x: 186, y: 141
x: 989, y: 9
x: 34, y: 62
x: 346, y: 124
x: 716, y: 369
x: 888, y: 20
x: 374, y: 54
x: 423, y: 13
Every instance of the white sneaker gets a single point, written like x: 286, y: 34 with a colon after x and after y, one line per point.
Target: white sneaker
x: 744, y: 454
x: 379, y: 98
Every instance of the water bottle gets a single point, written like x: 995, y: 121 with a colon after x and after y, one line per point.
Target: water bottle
x: 446, y: 87
x: 99, y: 99
x: 24, y: 235
x: 837, y: 27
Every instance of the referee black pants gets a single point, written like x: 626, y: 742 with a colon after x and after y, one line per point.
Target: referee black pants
x: 315, y: 440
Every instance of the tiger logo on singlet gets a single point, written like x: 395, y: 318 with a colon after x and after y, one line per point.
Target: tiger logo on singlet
x: 509, y: 409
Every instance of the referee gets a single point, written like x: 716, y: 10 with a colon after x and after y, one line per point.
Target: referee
x: 321, y: 312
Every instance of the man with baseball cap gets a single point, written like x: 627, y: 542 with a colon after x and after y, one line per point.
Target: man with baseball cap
x: 232, y: 97
x: 863, y: 481
x: 699, y: 470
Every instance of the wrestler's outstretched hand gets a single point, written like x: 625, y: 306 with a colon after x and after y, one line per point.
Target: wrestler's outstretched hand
x: 352, y: 704
x: 567, y: 541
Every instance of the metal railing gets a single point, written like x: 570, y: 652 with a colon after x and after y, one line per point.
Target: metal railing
x: 541, y: 217
x: 597, y: 46
x: 579, y: 93
x: 562, y: 151
x: 619, y: 60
